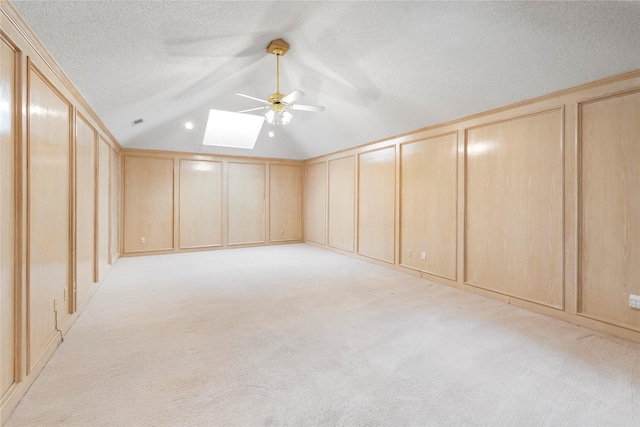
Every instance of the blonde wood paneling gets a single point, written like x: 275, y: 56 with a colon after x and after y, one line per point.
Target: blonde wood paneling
x: 609, y: 245
x: 86, y: 140
x: 114, y: 214
x: 49, y: 145
x: 285, y: 203
x: 246, y: 203
x: 200, y: 204
x: 514, y: 232
x: 316, y: 203
x: 342, y: 174
x: 376, y: 204
x: 148, y: 204
x: 104, y: 155
x: 428, y: 205
x: 7, y: 217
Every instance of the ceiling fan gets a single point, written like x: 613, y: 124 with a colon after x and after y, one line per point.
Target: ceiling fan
x: 278, y: 104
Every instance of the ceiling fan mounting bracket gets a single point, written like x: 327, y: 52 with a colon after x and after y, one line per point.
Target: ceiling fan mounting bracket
x: 278, y: 47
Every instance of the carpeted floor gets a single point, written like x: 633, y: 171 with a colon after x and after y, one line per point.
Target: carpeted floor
x: 298, y: 336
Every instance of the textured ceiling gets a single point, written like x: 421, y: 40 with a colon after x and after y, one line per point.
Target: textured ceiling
x: 380, y: 68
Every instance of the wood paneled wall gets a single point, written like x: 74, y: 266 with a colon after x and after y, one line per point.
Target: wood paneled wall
x: 200, y: 204
x: 316, y: 203
x: 205, y: 202
x: 85, y: 239
x: 8, y: 145
x: 342, y: 219
x: 285, y: 203
x: 534, y: 204
x: 148, y: 204
x: 513, y: 207
x: 609, y: 235
x: 48, y: 253
x: 428, y: 205
x: 49, y: 205
x: 376, y: 204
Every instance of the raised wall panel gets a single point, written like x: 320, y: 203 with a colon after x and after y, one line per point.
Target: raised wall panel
x: 104, y: 156
x: 609, y: 245
x: 246, y: 203
x: 114, y: 214
x: 428, y: 205
x: 7, y: 217
x: 514, y: 231
x: 285, y: 203
x: 85, y: 207
x: 200, y: 204
x: 148, y: 204
x: 316, y: 203
x: 342, y: 195
x: 376, y: 204
x: 49, y: 146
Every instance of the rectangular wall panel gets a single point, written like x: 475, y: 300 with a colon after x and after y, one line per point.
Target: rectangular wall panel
x: 376, y: 204
x: 49, y: 146
x: 85, y: 207
x: 200, y: 204
x: 246, y: 203
x: 514, y: 230
x: 7, y: 217
x: 428, y: 205
x: 114, y: 215
x: 104, y: 161
x: 148, y: 204
x: 342, y: 195
x: 285, y: 203
x: 316, y: 203
x: 609, y: 245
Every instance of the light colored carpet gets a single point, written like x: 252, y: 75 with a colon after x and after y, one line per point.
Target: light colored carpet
x: 298, y: 336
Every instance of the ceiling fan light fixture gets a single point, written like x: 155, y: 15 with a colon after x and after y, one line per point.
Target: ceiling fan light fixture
x: 278, y: 118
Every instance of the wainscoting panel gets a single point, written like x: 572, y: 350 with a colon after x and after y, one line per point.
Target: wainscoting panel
x: 428, y: 205
x: 342, y: 193
x: 376, y: 204
x: 609, y: 245
x: 86, y: 140
x: 148, y: 204
x: 246, y: 203
x: 200, y: 204
x: 49, y: 210
x: 514, y: 207
x: 316, y: 203
x: 285, y: 203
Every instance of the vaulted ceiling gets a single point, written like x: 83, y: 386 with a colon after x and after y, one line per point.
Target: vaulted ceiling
x: 380, y: 68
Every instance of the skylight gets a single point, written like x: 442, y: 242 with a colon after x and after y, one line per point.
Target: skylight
x: 229, y: 129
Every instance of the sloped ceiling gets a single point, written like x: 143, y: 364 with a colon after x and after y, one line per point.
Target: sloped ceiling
x: 380, y: 68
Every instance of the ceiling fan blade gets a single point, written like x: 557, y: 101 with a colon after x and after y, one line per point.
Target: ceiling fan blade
x: 300, y: 107
x: 253, y: 97
x: 253, y: 109
x: 293, y: 96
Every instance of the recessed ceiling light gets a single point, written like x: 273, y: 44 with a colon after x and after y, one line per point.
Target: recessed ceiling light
x: 188, y: 125
x: 271, y: 134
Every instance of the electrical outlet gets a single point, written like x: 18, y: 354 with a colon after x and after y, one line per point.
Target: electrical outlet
x: 410, y: 253
x: 281, y: 232
x: 423, y: 255
x: 634, y: 301
x: 143, y: 240
x: 65, y: 294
